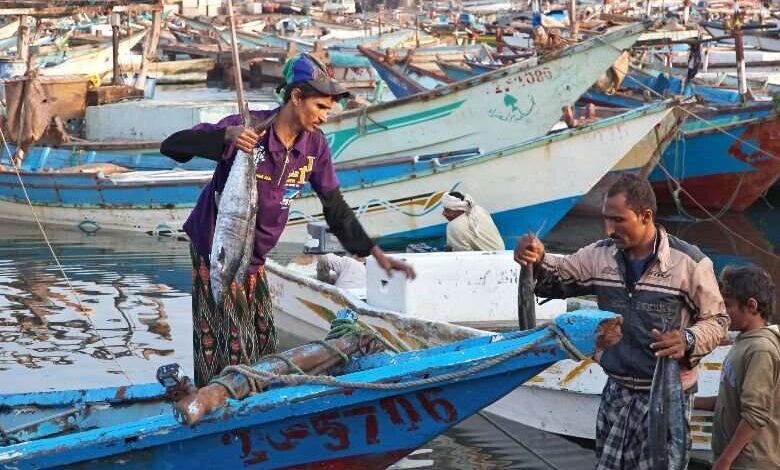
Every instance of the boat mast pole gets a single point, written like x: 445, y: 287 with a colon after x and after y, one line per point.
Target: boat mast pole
x: 242, y: 107
x: 115, y: 21
x: 739, y: 49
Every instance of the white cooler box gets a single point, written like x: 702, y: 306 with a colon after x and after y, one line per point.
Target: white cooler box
x: 470, y: 286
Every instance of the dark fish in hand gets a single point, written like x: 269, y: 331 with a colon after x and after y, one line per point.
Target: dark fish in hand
x: 526, y: 301
x: 667, y: 437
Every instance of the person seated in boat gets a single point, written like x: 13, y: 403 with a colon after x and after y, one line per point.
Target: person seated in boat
x: 291, y: 152
x: 651, y: 278
x: 469, y: 226
x: 345, y: 272
x: 746, y: 425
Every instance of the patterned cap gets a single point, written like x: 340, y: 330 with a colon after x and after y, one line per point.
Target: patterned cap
x: 305, y: 68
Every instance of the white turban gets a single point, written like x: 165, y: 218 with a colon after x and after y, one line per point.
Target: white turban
x: 456, y: 204
x: 466, y: 204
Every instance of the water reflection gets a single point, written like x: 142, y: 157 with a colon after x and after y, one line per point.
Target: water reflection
x: 127, y: 311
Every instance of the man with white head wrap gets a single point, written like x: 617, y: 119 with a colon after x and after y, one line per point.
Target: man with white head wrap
x: 470, y: 227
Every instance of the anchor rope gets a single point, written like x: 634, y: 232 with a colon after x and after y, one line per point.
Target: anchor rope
x: 258, y: 380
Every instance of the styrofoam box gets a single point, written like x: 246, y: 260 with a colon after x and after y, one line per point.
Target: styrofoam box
x: 473, y: 286
x: 212, y: 10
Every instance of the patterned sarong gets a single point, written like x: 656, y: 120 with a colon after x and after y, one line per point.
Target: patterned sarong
x: 622, y: 428
x: 235, y: 332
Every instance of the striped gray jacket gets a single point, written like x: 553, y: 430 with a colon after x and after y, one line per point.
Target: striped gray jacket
x: 679, y: 285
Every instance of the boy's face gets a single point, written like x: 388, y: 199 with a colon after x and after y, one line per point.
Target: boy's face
x: 740, y: 314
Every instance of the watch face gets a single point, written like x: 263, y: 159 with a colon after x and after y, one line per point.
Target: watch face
x: 689, y: 339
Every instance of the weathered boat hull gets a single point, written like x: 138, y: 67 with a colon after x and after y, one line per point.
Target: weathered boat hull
x: 565, y: 396
x: 307, y: 426
x: 98, y: 61
x: 766, y: 41
x: 548, y: 176
x: 509, y: 105
x: 640, y: 160
x: 717, y: 171
x: 136, y: 201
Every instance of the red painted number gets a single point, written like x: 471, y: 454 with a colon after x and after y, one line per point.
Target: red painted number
x: 439, y: 409
x: 291, y: 435
x: 389, y: 405
x: 324, y: 425
x: 372, y: 427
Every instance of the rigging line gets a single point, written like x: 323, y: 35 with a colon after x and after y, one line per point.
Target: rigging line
x: 713, y: 218
x: 706, y: 121
x: 57, y: 260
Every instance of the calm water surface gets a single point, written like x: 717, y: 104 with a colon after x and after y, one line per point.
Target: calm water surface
x: 133, y: 303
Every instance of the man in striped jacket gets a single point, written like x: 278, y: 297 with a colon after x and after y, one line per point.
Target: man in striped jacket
x: 652, y: 279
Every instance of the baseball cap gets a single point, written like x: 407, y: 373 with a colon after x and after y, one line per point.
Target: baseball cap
x: 305, y: 68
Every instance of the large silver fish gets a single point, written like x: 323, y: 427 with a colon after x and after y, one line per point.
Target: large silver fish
x: 234, y: 233
x: 668, y: 444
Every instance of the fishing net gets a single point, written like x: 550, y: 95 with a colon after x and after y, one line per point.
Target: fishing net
x: 240, y: 331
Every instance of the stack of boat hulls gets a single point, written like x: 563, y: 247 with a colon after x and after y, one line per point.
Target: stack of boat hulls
x: 533, y: 113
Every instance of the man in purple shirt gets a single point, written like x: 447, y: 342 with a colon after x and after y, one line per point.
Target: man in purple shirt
x: 291, y: 152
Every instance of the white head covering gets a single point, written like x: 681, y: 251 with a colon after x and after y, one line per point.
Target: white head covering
x: 466, y: 205
x: 456, y: 204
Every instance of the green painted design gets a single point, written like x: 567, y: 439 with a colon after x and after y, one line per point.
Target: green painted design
x: 340, y: 140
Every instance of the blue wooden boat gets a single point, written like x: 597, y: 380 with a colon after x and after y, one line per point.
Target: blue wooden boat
x: 719, y: 172
x: 343, y: 426
x: 103, y: 196
x: 44, y: 158
x: 404, y: 78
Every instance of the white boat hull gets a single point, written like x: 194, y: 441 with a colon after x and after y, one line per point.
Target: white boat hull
x: 491, y: 111
x: 548, y: 175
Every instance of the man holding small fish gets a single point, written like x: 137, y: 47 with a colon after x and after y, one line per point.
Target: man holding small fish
x: 232, y: 319
x: 673, y: 314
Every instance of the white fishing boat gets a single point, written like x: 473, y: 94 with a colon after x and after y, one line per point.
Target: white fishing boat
x: 490, y: 111
x: 526, y: 186
x: 102, y: 196
x: 92, y: 59
x: 563, y: 399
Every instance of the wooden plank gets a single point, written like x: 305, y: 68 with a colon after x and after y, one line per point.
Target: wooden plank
x: 112, y: 94
x: 150, y: 50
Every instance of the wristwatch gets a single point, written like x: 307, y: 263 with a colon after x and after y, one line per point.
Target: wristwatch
x: 690, y: 340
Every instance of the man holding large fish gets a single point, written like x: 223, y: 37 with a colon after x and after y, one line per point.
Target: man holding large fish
x: 232, y: 319
x: 673, y: 314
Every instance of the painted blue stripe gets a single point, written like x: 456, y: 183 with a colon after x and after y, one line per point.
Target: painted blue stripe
x: 83, y: 190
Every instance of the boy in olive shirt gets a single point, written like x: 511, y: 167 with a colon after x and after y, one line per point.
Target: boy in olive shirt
x: 746, y: 425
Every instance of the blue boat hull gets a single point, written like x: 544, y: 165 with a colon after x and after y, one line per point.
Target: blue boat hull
x: 307, y: 426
